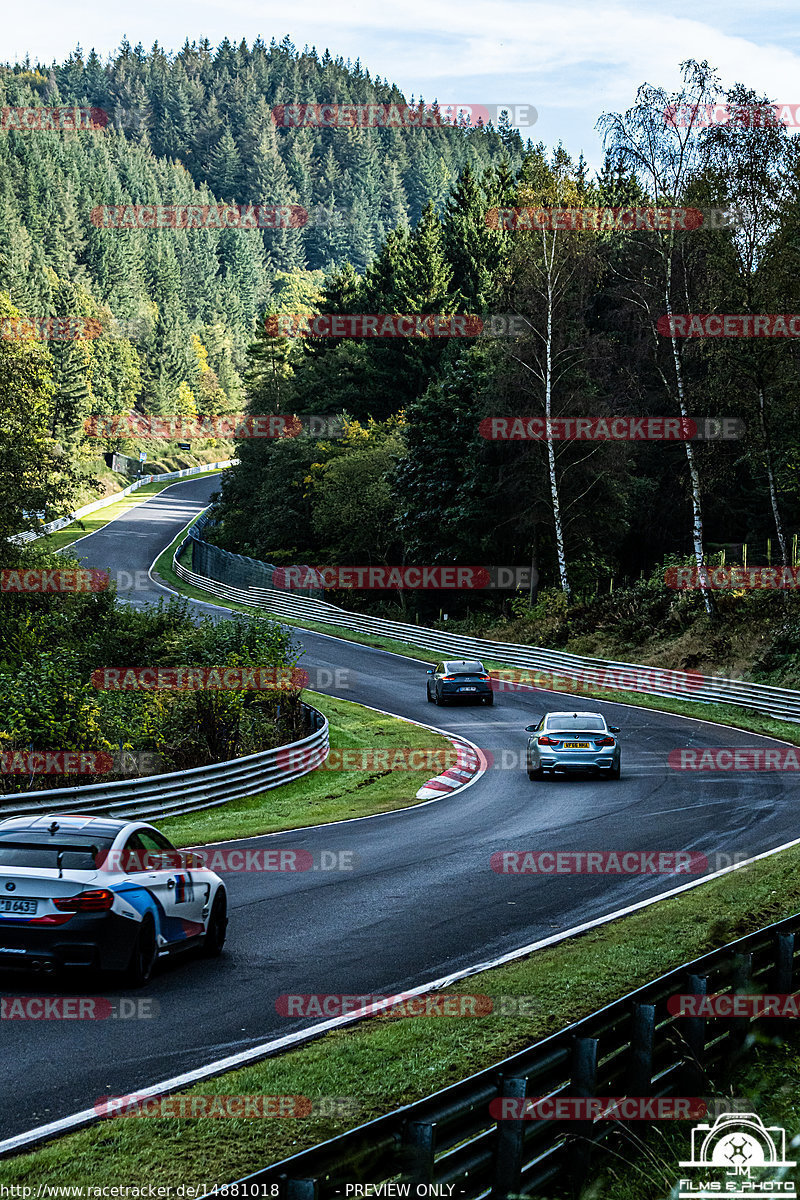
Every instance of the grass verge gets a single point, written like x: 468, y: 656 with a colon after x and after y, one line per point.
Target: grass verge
x: 721, y: 714
x: 385, y: 1062
x: 324, y: 795
x: 642, y: 1164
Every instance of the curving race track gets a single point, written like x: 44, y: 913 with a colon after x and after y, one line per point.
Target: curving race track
x: 422, y: 900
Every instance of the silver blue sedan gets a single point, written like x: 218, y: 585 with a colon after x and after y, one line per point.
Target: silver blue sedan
x: 573, y: 741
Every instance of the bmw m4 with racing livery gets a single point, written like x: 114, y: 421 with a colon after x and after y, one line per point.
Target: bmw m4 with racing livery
x: 95, y: 892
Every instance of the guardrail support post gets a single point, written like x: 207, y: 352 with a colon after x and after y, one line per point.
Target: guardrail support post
x: 742, y: 984
x: 694, y: 1032
x: 784, y: 964
x: 419, y: 1146
x: 640, y: 1071
x: 302, y: 1189
x: 508, y: 1148
x: 583, y: 1085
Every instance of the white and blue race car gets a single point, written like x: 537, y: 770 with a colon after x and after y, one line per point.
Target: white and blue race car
x: 86, y: 891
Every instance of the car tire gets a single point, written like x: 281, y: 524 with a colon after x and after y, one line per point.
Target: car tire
x: 535, y: 774
x: 438, y: 699
x: 488, y: 700
x: 143, y: 954
x: 217, y: 926
x: 616, y: 771
x: 430, y: 697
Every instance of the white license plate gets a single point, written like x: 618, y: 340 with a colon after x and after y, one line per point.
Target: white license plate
x: 462, y: 689
x: 24, y: 907
x: 576, y: 745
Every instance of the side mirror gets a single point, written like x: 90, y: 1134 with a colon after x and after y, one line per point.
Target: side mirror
x: 431, y: 671
x: 531, y: 728
x: 613, y: 729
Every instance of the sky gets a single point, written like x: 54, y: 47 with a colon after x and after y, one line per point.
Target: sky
x: 570, y: 61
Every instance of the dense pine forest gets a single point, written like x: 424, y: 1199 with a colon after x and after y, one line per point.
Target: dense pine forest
x: 398, y: 224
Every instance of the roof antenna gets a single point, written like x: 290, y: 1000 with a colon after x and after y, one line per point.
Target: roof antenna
x: 54, y: 828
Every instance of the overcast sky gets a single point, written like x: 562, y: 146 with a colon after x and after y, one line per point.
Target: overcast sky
x: 570, y: 60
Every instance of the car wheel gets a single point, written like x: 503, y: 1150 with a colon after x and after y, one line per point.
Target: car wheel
x: 616, y: 771
x: 428, y: 693
x: 217, y: 925
x: 488, y: 700
x: 535, y: 773
x: 143, y: 954
x: 438, y: 698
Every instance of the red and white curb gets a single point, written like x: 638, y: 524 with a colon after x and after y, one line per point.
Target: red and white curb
x: 468, y: 764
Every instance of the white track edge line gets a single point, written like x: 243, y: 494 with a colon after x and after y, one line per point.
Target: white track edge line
x: 89, y: 1116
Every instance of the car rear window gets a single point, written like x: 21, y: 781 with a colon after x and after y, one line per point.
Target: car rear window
x: 465, y: 668
x: 570, y: 724
x: 37, y: 848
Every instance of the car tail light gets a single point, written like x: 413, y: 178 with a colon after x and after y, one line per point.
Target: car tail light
x: 547, y: 741
x: 100, y: 900
x: 605, y: 741
x: 448, y: 678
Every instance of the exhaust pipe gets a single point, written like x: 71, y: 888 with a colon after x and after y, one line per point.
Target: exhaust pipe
x: 49, y: 968
x: 36, y: 965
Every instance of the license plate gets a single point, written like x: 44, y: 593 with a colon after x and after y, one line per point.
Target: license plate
x: 576, y: 745
x: 25, y: 907
x: 468, y: 689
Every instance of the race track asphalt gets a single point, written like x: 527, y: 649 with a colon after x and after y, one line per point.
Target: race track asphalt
x: 422, y: 899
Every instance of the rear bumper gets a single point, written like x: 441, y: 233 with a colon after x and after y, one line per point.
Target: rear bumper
x: 452, y: 691
x: 87, y: 940
x: 575, y: 762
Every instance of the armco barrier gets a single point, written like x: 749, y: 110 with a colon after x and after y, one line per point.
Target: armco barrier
x: 184, y: 791
x: 62, y: 522
x: 235, y: 570
x: 590, y: 673
x: 632, y: 1047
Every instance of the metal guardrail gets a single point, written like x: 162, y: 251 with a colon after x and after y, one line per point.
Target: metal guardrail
x: 96, y: 505
x: 632, y: 1047
x: 584, y: 675
x: 186, y: 791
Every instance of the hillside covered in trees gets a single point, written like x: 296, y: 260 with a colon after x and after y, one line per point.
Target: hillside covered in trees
x: 414, y: 481
x: 180, y: 306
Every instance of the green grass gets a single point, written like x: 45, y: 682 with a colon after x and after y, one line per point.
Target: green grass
x: 386, y: 1062
x: 324, y: 795
x: 721, y: 714
x: 642, y: 1164
x: 103, y: 516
